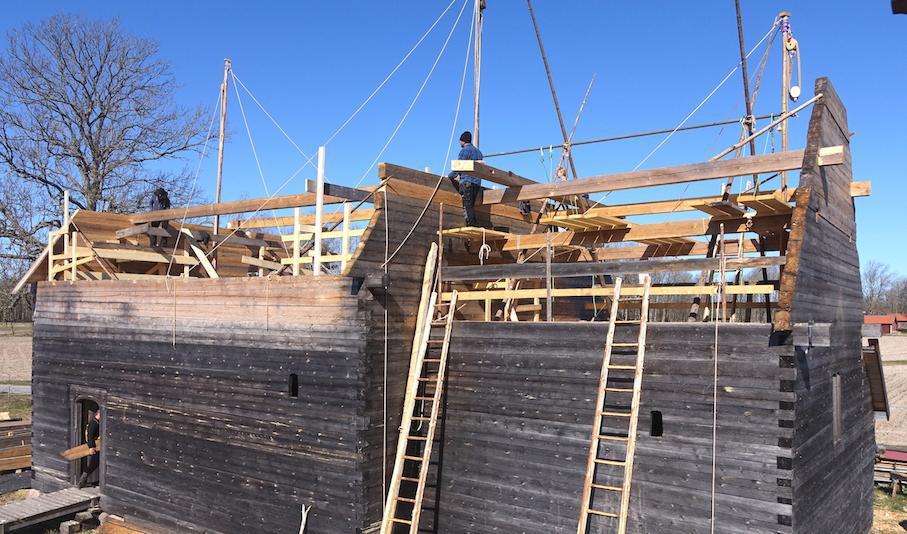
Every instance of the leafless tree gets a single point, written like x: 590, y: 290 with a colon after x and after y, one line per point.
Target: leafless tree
x: 84, y: 108
x: 878, y: 279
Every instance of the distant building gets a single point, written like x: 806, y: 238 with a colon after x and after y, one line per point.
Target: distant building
x: 888, y: 323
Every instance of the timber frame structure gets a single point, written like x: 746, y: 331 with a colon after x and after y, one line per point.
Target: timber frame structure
x: 252, y: 370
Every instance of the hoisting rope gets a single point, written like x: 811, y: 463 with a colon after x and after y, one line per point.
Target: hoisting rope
x: 484, y: 250
x: 453, y: 128
x: 722, y: 262
x: 695, y: 109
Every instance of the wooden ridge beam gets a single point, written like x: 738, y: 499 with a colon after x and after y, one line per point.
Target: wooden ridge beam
x: 142, y: 229
x: 334, y: 190
x: 270, y: 222
x: 486, y: 172
x: 641, y: 232
x: 227, y: 208
x: 693, y: 172
x: 559, y: 270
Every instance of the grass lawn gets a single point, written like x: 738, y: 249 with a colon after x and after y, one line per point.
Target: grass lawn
x: 15, y: 329
x: 16, y: 405
x: 890, y: 513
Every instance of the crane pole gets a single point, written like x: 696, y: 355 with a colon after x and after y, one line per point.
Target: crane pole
x: 557, y: 106
x: 748, y: 123
x: 477, y: 63
x: 220, y: 144
x: 785, y: 82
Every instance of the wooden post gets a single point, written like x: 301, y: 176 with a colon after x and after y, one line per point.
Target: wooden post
x: 345, y: 239
x: 548, y: 276
x: 297, y: 228
x: 65, y: 210
x: 73, y: 256
x: 220, y: 143
x: 319, y: 209
x: 261, y: 256
x: 477, y: 64
x: 785, y: 84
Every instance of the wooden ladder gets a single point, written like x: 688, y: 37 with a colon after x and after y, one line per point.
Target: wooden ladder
x: 603, y: 413
x: 420, y: 417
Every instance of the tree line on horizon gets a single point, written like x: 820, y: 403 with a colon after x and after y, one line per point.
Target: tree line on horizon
x: 884, y: 290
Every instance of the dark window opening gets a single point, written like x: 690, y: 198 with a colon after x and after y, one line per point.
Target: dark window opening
x: 837, y: 406
x: 657, y: 424
x: 293, y: 385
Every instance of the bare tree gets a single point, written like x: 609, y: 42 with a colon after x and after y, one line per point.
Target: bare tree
x: 84, y: 108
x: 878, y: 280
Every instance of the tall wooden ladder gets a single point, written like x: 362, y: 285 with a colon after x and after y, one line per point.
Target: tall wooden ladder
x: 615, y: 426
x: 420, y: 419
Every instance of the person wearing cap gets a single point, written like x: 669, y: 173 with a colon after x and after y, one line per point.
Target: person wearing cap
x: 467, y: 185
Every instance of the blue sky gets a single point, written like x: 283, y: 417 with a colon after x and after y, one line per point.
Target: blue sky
x: 312, y: 63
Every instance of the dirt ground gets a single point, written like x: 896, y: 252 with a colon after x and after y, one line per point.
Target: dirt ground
x: 15, y: 353
x: 893, y: 433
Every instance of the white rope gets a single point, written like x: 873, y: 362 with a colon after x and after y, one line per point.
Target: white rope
x: 386, y: 272
x: 716, y: 318
x: 416, y: 97
x: 697, y: 108
x: 391, y: 74
x: 198, y: 168
x: 453, y: 128
x: 261, y: 174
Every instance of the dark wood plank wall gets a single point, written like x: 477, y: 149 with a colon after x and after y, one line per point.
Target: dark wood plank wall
x: 200, y: 431
x: 519, y: 411
x: 832, y: 482
x: 394, y: 216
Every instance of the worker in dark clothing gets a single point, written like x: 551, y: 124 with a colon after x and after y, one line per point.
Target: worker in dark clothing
x: 159, y: 201
x: 468, y: 186
x: 92, y: 433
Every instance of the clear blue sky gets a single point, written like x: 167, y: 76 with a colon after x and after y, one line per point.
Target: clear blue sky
x: 312, y: 63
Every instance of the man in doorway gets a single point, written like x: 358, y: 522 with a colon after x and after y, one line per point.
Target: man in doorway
x: 92, y: 433
x: 467, y: 185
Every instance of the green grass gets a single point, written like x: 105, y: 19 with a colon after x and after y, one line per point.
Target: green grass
x: 883, y: 500
x: 15, y: 329
x: 18, y: 406
x: 16, y: 382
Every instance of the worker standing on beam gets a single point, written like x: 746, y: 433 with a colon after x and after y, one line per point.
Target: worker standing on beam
x: 467, y: 185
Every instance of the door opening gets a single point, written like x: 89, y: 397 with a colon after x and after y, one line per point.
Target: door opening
x: 87, y: 468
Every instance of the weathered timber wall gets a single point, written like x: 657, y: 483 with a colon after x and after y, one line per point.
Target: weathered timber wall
x: 396, y: 211
x: 200, y: 431
x: 519, y: 411
x: 832, y: 481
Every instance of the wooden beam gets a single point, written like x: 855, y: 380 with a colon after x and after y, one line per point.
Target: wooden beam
x: 200, y: 254
x: 860, y: 189
x: 150, y: 255
x: 142, y: 229
x: 226, y: 208
x: 349, y: 193
x: 697, y: 248
x: 692, y: 172
x: 355, y: 215
x: 501, y: 294
x: 262, y: 263
x: 487, y: 172
x: 559, y: 270
x: 641, y: 232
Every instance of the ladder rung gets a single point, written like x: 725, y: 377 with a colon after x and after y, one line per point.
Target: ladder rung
x: 616, y: 414
x: 398, y: 520
x: 417, y: 438
x: 414, y: 458
x: 428, y: 379
x: 622, y: 367
x: 431, y: 360
x: 425, y: 398
x: 608, y: 488
x: 435, y: 341
x: 613, y: 438
x: 406, y: 499
x: 624, y: 344
x: 420, y: 418
x: 609, y: 462
x: 438, y: 323
x: 632, y: 321
x: 409, y: 479
x: 598, y: 512
x: 620, y: 390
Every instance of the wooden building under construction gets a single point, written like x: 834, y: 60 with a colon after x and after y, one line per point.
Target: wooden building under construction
x: 318, y: 361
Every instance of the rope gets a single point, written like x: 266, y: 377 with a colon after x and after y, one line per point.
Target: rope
x: 386, y: 273
x: 696, y: 109
x: 416, y: 97
x: 391, y: 74
x: 715, y: 318
x: 261, y: 174
x: 453, y: 127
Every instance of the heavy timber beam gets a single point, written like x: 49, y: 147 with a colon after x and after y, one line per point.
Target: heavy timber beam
x: 501, y: 294
x: 349, y: 193
x: 694, y: 172
x: 768, y: 225
x: 559, y: 270
x: 270, y: 222
x: 696, y: 248
x: 487, y: 172
x: 226, y: 208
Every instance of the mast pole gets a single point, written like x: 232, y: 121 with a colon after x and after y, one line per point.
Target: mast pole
x: 749, y: 121
x: 477, y: 64
x: 785, y: 82
x: 220, y: 143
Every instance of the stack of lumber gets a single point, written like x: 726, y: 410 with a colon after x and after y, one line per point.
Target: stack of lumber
x: 15, y: 445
